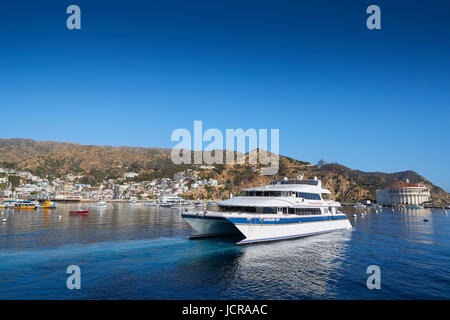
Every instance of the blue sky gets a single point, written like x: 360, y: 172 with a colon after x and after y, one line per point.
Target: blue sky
x: 374, y: 100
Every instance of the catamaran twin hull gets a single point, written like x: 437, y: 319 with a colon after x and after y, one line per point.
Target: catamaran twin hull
x: 268, y: 228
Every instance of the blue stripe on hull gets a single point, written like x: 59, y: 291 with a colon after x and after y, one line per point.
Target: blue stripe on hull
x: 241, y: 220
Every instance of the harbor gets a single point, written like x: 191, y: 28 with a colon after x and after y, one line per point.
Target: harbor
x: 143, y: 252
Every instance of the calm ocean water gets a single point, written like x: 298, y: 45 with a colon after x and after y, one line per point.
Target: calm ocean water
x: 143, y: 253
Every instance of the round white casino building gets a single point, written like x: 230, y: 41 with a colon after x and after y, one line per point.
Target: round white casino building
x: 405, y: 193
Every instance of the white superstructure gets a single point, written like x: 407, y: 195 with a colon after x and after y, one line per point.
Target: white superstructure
x: 284, y: 209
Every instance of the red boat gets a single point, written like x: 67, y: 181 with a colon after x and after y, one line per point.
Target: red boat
x: 79, y: 213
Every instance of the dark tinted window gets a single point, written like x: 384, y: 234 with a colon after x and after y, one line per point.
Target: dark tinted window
x: 306, y: 211
x: 309, y: 196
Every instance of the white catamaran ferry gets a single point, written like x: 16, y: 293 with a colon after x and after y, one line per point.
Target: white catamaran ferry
x: 282, y: 210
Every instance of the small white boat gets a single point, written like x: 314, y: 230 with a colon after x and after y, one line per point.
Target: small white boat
x: 198, y: 204
x: 150, y: 204
x: 414, y: 206
x: 359, y: 205
x: 172, y: 201
x: 134, y: 203
x: 101, y: 204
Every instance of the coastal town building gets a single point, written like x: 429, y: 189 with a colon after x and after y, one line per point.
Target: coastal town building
x: 405, y: 193
x: 70, y: 188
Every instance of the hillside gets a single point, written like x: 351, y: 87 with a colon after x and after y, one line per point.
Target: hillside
x: 45, y: 158
x: 345, y: 184
x: 48, y: 158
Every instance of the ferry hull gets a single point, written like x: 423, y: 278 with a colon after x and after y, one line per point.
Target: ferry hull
x: 260, y: 233
x: 209, y: 226
x: 260, y: 229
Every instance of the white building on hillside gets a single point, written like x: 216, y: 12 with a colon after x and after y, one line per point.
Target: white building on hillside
x: 405, y: 193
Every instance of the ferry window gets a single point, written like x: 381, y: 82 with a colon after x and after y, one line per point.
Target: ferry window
x: 258, y: 193
x: 291, y: 210
x: 252, y: 193
x: 268, y: 210
x: 266, y: 193
x: 309, y: 196
x: 284, y: 194
x: 306, y: 211
x: 285, y: 210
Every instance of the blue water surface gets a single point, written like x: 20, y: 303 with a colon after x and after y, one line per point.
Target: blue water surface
x: 143, y: 253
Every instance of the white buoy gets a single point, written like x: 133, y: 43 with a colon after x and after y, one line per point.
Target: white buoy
x: 4, y: 219
x: 355, y: 215
x: 59, y: 217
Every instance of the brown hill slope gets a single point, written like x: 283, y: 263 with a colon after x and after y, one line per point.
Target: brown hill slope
x: 345, y: 184
x: 48, y: 158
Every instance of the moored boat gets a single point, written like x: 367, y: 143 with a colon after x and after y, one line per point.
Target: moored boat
x: 21, y: 204
x: 172, y: 201
x: 414, y: 206
x: 6, y: 204
x: 101, y: 204
x: 48, y: 205
x: 359, y: 205
x: 150, y: 204
x: 134, y: 203
x: 79, y: 212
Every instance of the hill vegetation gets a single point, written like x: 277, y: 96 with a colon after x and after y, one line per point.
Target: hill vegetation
x: 96, y: 163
